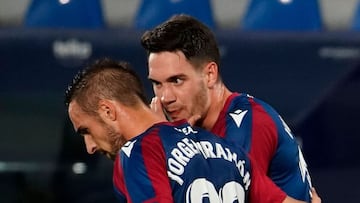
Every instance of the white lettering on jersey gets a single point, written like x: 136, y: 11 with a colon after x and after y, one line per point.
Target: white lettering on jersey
x: 302, y: 165
x: 286, y: 127
x: 238, y: 116
x: 186, y: 130
x: 187, y: 149
x: 128, y: 147
x: 303, y: 169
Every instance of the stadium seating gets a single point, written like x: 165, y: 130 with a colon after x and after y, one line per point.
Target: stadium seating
x: 295, y: 15
x: 356, y: 18
x: 65, y: 14
x: 152, y: 12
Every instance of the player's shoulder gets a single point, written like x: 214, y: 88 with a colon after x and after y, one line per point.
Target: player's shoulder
x: 247, y: 101
x: 238, y: 101
x: 148, y: 141
x: 245, y: 107
x: 246, y: 98
x: 148, y: 138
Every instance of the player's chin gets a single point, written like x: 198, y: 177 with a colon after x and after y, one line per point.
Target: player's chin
x: 178, y: 115
x: 109, y: 155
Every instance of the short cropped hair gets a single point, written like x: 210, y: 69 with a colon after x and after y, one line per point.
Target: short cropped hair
x: 105, y: 79
x: 186, y: 34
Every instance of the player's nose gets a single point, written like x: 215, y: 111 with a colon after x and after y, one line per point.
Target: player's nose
x: 167, y: 95
x: 91, y: 146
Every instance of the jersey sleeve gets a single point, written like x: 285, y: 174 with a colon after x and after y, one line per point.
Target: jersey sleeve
x: 264, y: 138
x: 277, y: 152
x: 262, y: 188
x: 142, y: 171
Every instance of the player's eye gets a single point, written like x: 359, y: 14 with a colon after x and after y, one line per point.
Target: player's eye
x: 155, y: 83
x: 177, y: 81
x: 83, y: 131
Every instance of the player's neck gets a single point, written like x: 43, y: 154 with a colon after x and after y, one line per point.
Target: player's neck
x: 141, y: 120
x: 218, y: 98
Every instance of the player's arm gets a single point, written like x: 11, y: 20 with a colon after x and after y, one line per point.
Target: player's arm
x: 315, y: 198
x: 271, y: 135
x: 264, y: 138
x: 263, y: 189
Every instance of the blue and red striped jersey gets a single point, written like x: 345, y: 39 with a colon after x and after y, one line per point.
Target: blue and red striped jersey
x: 260, y: 130
x: 174, y: 162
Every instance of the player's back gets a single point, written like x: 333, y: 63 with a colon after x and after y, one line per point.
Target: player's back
x: 259, y: 129
x: 201, y: 167
x: 197, y: 166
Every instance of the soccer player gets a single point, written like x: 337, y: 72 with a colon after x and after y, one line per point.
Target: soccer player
x: 183, y: 66
x: 155, y: 160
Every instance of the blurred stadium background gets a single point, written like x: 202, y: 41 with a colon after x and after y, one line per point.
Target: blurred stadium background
x: 301, y: 56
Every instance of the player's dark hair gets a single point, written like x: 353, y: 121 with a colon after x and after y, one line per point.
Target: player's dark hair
x: 105, y: 79
x: 186, y: 34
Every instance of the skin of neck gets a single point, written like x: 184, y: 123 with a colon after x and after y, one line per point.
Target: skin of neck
x: 217, y: 95
x: 134, y: 121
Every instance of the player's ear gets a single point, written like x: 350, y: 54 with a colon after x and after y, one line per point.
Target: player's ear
x: 211, y: 73
x: 107, y: 110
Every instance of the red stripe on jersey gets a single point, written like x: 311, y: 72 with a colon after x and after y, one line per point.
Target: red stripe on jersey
x: 155, y: 164
x: 264, y: 138
x: 219, y: 127
x: 118, y: 179
x: 262, y: 188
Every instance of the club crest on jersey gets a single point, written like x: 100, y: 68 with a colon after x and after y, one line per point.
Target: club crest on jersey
x: 238, y: 116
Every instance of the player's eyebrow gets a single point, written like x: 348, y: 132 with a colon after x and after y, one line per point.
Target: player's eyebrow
x: 175, y: 77
x: 153, y: 81
x: 82, y: 131
x: 170, y: 79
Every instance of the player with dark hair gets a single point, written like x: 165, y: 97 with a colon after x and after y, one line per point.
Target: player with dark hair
x: 183, y: 65
x: 155, y: 160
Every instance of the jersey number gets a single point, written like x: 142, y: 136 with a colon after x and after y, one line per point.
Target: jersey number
x: 201, y: 189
